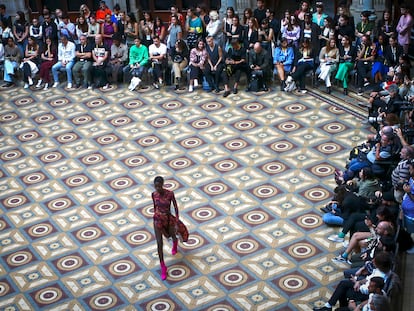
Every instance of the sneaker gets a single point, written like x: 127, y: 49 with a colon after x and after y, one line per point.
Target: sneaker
x: 106, y: 86
x: 195, y: 82
x: 335, y: 238
x: 155, y: 85
x: 26, y: 86
x: 90, y: 87
x: 340, y: 259
x: 190, y: 88
x: 46, y: 86
x: 30, y: 80
x: 39, y: 83
x: 360, y: 92
x: 56, y: 84
x: 303, y: 91
x: 69, y: 86
x: 366, y: 83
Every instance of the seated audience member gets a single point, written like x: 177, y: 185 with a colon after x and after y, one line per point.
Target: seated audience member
x: 119, y: 56
x: 400, y: 175
x: 327, y: 32
x: 291, y: 31
x: 179, y: 56
x: 407, y: 204
x: 274, y: 23
x: 304, y: 62
x: 138, y: 60
x: 215, y: 64
x: 359, y: 290
x: 83, y: 65
x: 198, y: 60
x: 364, y: 60
x: 36, y: 31
x: 381, y: 151
x: 158, y: 57
x: 236, y: 64
x: 48, y: 58
x: 100, y: 57
x: 11, y: 61
x: 283, y: 58
x: 30, y: 62
x: 259, y: 67
x: 66, y: 60
x: 328, y: 58
x: 251, y: 34
x: 392, y: 52
x: 1, y: 53
x: 353, y: 202
x: 379, y: 69
x: 81, y: 29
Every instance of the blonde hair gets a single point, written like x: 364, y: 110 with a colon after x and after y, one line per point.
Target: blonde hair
x: 214, y: 15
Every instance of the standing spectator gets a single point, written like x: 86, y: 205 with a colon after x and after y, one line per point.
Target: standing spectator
x: 108, y: 28
x: 386, y: 26
x: 205, y: 18
x: 319, y: 16
x: 160, y: 29
x: 158, y: 56
x: 379, y: 70
x: 67, y: 28
x: 21, y: 31
x: 344, y: 28
x: 228, y: 19
x: 198, y: 58
x: 194, y: 27
x: 327, y: 32
x: 131, y: 29
x: 304, y: 62
x: 303, y: 9
x: 274, y: 23
x: 407, y: 204
x: 283, y: 58
x: 344, y: 11
x: 85, y: 12
x: 50, y: 29
x: 1, y: 53
x: 100, y: 56
x: 215, y: 64
x: 404, y: 26
x: 83, y: 63
x: 328, y: 58
x: 247, y: 15
x: 179, y: 56
x: 81, y: 29
x: 119, y: 56
x: 260, y: 11
x: 58, y: 17
x: 259, y: 65
x: 364, y: 27
x: 251, y: 34
x: 11, y: 61
x: 215, y: 29
x: 311, y: 31
x: 291, y: 31
x: 175, y: 32
x: 180, y: 17
x: 266, y: 36
x: 146, y: 29
x: 115, y: 17
x: 122, y: 25
x: 36, y: 31
x: 94, y: 29
x: 102, y: 11
x: 138, y: 60
x: 347, y: 56
x: 48, y: 58
x: 401, y: 173
x: 234, y: 32
x: 4, y: 17
x: 66, y: 60
x: 30, y: 62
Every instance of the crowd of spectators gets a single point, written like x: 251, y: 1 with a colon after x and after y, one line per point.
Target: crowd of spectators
x: 113, y: 46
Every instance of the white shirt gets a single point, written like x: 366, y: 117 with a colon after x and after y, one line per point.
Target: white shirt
x: 154, y: 50
x: 66, y: 53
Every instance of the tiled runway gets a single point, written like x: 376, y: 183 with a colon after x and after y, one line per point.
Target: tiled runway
x: 249, y: 173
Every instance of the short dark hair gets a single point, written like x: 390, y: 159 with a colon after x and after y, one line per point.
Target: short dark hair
x: 378, y: 281
x: 158, y: 179
x: 2, y: 6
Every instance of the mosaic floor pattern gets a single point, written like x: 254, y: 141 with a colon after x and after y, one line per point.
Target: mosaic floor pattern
x: 249, y: 173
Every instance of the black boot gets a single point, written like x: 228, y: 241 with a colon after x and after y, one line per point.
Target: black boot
x: 282, y: 85
x: 328, y: 90
x: 345, y: 91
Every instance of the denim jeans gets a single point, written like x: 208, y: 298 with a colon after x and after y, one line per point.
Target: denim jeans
x: 59, y: 67
x: 9, y: 68
x: 332, y: 219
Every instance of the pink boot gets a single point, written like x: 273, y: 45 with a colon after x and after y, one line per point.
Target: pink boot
x: 174, y: 247
x: 163, y: 271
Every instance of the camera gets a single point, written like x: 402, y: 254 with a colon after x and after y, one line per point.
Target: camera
x: 375, y: 119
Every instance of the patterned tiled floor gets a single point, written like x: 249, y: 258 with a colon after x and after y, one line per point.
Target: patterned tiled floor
x: 249, y: 172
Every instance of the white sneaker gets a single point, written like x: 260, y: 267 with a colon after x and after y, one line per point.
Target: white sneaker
x: 335, y: 238
x: 30, y: 80
x: 105, y: 87
x: 90, y: 87
x: 190, y: 88
x: 195, y: 82
x: 69, y: 86
x: 26, y: 86
x: 303, y: 91
x: 56, y: 84
x: 46, y: 86
x: 39, y: 83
